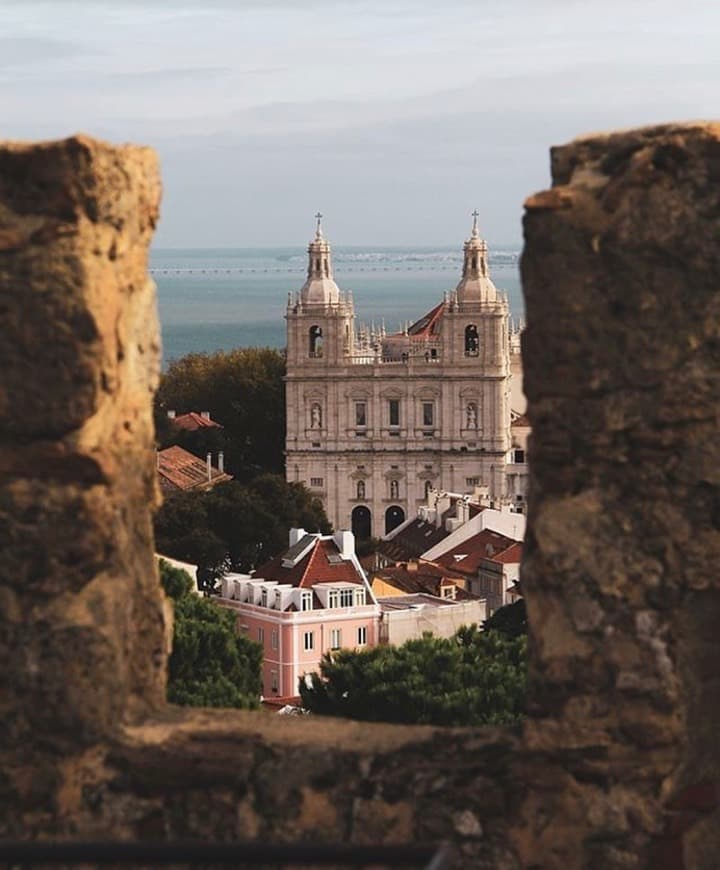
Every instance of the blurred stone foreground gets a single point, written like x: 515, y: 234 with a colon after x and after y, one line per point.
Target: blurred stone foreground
x: 617, y: 765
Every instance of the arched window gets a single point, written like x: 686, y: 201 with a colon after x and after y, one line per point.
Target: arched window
x: 315, y: 416
x: 394, y: 489
x: 394, y: 516
x: 361, y: 523
x: 316, y: 341
x: 472, y: 340
x: 361, y: 489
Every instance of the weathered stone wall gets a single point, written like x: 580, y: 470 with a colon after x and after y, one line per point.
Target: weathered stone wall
x: 621, y: 273
x: 83, y: 630
x: 616, y: 766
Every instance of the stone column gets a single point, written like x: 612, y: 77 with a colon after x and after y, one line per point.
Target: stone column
x: 82, y: 624
x: 621, y: 273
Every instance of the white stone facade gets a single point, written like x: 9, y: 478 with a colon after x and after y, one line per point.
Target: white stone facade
x: 375, y: 420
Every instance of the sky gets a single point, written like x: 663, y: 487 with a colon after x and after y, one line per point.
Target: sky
x: 396, y: 119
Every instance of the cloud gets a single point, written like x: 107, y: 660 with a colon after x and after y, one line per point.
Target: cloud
x: 26, y: 50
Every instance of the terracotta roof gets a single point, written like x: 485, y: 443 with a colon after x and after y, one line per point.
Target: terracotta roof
x: 322, y: 564
x: 511, y: 556
x: 192, y: 421
x: 412, y: 541
x: 181, y: 470
x: 429, y: 324
x: 427, y: 578
x: 466, y: 557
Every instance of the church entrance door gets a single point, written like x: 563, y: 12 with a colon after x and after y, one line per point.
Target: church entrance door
x: 361, y: 523
x: 393, y: 517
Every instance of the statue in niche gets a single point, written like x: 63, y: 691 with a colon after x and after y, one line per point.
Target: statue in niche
x: 361, y: 489
x: 394, y: 489
x: 471, y: 416
x: 315, y: 416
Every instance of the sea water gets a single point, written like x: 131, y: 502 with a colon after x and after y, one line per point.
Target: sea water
x: 219, y: 299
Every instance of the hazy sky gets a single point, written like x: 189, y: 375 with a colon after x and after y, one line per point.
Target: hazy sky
x: 394, y: 118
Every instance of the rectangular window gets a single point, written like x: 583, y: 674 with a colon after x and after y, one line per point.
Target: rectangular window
x: 472, y: 481
x: 359, y: 597
x: 428, y: 414
x: 306, y: 600
x: 360, y: 414
x: 335, y: 638
x: 274, y: 639
x: 362, y: 636
x: 519, y: 456
x: 261, y: 635
x: 333, y: 598
x: 309, y: 641
x: 394, y: 411
x: 274, y: 684
x: 346, y: 597
x: 316, y: 481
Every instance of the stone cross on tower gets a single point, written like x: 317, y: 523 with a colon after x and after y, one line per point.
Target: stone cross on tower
x: 318, y: 231
x: 475, y: 231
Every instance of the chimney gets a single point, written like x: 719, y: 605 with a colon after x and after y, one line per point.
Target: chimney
x: 296, y: 535
x: 221, y: 462
x: 345, y: 542
x: 205, y: 415
x: 209, y: 466
x: 171, y: 415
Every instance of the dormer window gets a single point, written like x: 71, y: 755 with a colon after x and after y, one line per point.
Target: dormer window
x: 472, y: 340
x: 306, y: 600
x: 316, y: 342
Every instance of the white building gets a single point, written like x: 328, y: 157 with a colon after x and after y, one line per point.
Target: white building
x: 374, y: 421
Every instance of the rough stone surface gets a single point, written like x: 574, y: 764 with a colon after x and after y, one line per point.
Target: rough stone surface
x: 621, y: 273
x: 82, y: 627
x: 617, y: 764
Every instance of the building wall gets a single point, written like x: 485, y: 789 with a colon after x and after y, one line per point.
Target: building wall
x: 331, y: 454
x: 291, y: 660
x: 401, y: 625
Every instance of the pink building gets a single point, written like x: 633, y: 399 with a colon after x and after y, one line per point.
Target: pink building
x: 313, y: 598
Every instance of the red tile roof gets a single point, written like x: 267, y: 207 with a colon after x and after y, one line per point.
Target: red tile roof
x: 429, y: 324
x: 483, y: 545
x: 181, y: 470
x: 193, y: 421
x: 315, y: 567
x: 511, y: 556
x: 426, y: 577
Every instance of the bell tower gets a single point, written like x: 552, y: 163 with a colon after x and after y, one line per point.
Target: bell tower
x: 320, y: 319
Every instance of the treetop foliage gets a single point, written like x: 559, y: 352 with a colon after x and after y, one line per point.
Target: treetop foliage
x: 473, y: 678
x: 236, y: 526
x: 211, y: 665
x: 243, y: 390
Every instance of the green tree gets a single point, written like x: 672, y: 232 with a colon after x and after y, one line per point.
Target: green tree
x: 510, y: 620
x: 472, y: 678
x: 211, y: 665
x: 244, y: 391
x: 236, y: 526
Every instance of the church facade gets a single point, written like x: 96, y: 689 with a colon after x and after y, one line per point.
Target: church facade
x: 376, y: 421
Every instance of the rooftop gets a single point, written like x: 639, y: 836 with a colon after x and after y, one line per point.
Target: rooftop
x: 193, y: 421
x: 179, y: 469
x: 322, y: 562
